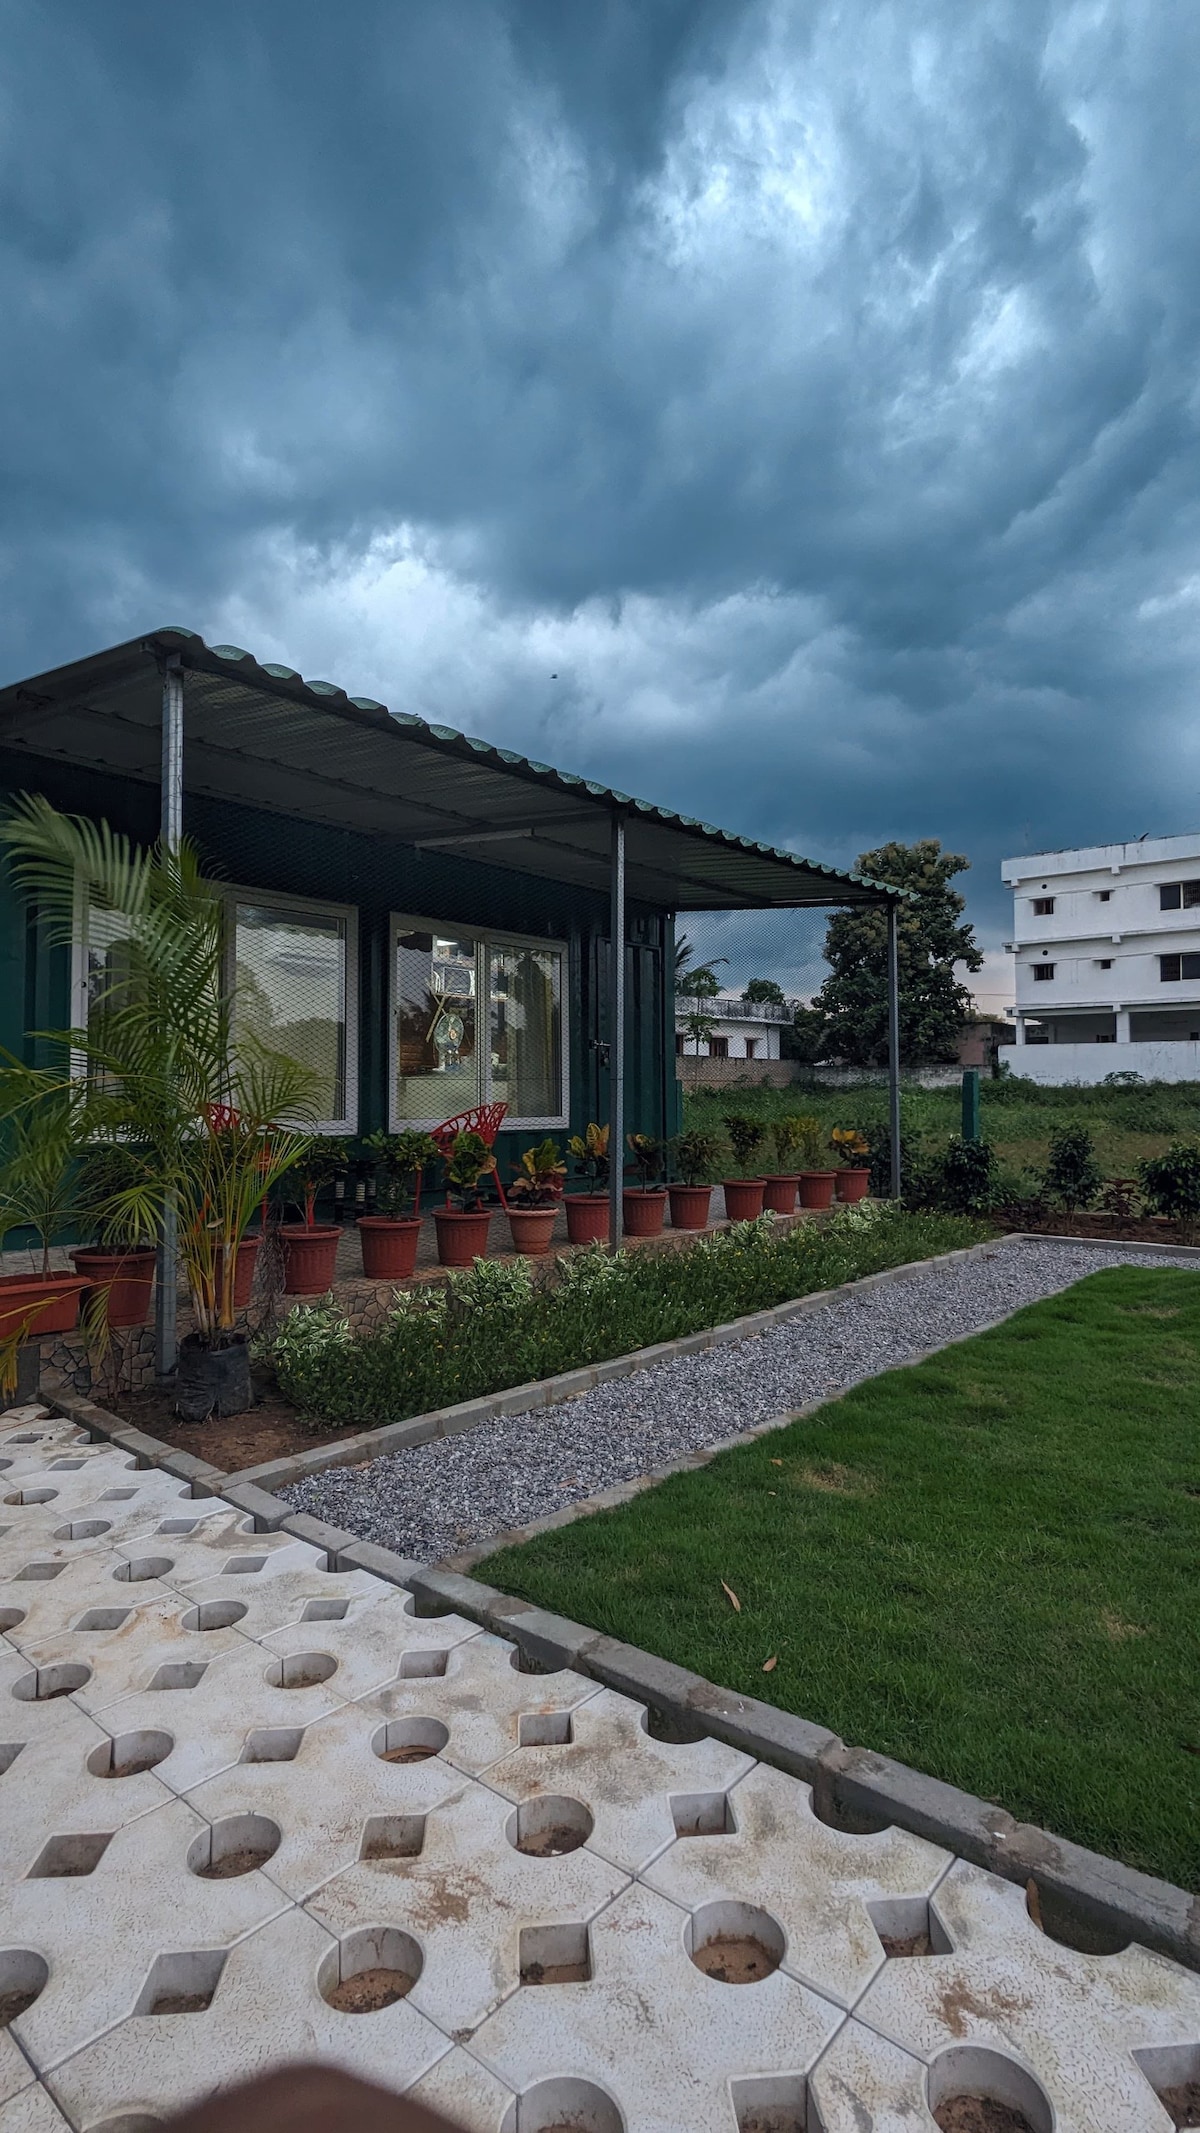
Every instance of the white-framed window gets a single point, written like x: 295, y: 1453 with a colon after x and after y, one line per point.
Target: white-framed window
x: 291, y: 967
x: 476, y: 1017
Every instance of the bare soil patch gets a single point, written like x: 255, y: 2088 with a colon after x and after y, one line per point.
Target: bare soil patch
x: 978, y: 2114
x: 735, y: 1959
x: 369, y: 1990
x: 270, y: 1429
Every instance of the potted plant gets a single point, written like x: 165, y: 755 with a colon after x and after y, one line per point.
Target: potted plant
x: 743, y: 1194
x: 120, y: 1262
x: 37, y: 1192
x: 696, y: 1157
x: 779, y: 1192
x: 587, y: 1212
x: 817, y: 1178
x: 389, y: 1236
x: 852, y: 1150
x: 462, y: 1228
x: 162, y: 1076
x: 644, y: 1206
x: 310, y: 1247
x: 533, y: 1198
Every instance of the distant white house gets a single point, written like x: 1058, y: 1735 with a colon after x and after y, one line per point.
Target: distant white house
x: 1106, y: 941
x: 742, y: 1029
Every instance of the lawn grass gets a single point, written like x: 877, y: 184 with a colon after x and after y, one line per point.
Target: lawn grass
x: 1017, y: 1117
x: 985, y: 1565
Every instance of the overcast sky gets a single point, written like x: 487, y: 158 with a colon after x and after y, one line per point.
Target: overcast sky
x: 785, y: 412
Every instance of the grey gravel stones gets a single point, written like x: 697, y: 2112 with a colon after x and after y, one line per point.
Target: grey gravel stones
x: 439, y: 1499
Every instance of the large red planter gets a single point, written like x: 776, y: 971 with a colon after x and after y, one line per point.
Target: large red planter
x: 743, y: 1198
x: 461, y: 1238
x: 816, y: 1188
x: 779, y: 1192
x: 587, y: 1217
x: 532, y: 1229
x: 56, y: 1296
x: 853, y: 1184
x: 389, y: 1245
x: 689, y: 1206
x: 643, y: 1212
x: 309, y: 1257
x: 126, y: 1277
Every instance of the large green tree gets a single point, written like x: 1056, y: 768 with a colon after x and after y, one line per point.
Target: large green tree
x: 934, y: 1004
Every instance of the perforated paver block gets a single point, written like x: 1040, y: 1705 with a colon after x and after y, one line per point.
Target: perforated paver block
x: 48, y: 1591
x: 16, y: 2073
x: 47, y: 1788
x: 486, y: 1703
x: 277, y: 1593
x: 160, y: 1634
x: 833, y: 1894
x: 1078, y: 2022
x: 230, y: 1536
x: 101, y: 1931
x: 267, y: 2009
x: 650, y: 2030
x: 469, y: 1897
x: 330, y: 1794
x: 370, y: 1650
x: 466, y: 2093
x: 32, y: 2111
x: 218, y: 1714
x: 863, y: 2083
x: 95, y: 1520
x: 625, y: 1778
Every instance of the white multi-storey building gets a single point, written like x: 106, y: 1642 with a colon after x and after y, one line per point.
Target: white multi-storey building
x: 1106, y: 942
x: 742, y: 1029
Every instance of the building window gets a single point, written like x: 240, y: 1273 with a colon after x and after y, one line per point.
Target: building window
x: 718, y: 1047
x: 1173, y: 968
x: 679, y: 1044
x: 1104, y: 962
x: 476, y: 1018
x: 1043, y: 971
x: 292, y: 976
x: 751, y: 1047
x: 290, y: 972
x: 1043, y: 906
x: 1105, y: 895
x: 1174, y: 895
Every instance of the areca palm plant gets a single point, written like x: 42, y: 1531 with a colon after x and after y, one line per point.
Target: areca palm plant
x: 210, y: 1117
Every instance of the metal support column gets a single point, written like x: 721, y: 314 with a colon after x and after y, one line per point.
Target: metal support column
x: 893, y: 942
x: 166, y: 1342
x: 616, y: 1030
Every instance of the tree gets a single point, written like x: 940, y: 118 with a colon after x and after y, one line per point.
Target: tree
x: 934, y: 1005
x: 763, y: 992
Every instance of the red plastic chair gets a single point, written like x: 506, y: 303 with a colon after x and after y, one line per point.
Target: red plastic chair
x: 485, y: 1120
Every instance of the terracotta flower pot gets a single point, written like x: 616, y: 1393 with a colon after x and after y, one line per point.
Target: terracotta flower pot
x: 816, y: 1188
x: 587, y: 1217
x: 389, y: 1245
x: 642, y: 1213
x: 853, y: 1184
x: 779, y: 1192
x: 532, y: 1229
x: 689, y: 1206
x: 743, y: 1198
x: 461, y: 1238
x: 309, y: 1257
x: 50, y: 1302
x: 127, y: 1277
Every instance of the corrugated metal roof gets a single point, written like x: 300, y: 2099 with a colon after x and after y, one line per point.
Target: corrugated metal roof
x: 263, y: 736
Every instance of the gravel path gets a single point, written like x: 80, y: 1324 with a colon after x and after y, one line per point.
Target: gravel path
x: 441, y: 1498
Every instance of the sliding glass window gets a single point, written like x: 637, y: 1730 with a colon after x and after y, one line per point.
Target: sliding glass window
x: 477, y: 1018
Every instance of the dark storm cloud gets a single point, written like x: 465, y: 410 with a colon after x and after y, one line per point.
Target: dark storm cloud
x: 810, y: 390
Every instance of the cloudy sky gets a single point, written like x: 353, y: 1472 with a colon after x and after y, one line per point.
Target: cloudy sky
x: 784, y: 411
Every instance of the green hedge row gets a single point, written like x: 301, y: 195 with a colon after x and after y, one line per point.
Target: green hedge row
x: 507, y: 1322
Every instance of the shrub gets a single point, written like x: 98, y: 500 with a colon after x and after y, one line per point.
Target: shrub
x: 697, y: 1156
x: 1072, y: 1174
x: 505, y: 1323
x: 966, y: 1176
x: 1171, y: 1183
x: 746, y: 1136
